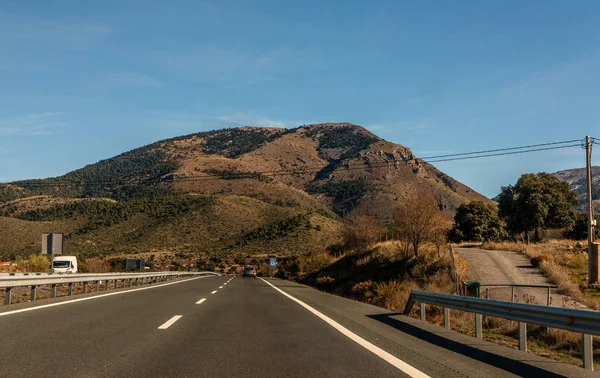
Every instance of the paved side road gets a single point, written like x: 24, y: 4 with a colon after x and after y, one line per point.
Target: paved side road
x: 224, y: 326
x: 505, y: 267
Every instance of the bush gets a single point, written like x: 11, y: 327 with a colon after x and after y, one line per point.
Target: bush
x: 38, y: 264
x: 316, y: 262
x: 325, y: 281
x: 393, y: 294
x: 579, y: 231
x: 364, y: 290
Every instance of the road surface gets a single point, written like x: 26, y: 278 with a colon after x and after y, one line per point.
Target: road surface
x: 241, y: 327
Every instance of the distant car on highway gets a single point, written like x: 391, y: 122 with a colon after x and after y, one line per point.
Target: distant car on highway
x: 249, y: 272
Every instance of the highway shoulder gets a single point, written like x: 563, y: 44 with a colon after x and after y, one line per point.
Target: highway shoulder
x: 428, y: 347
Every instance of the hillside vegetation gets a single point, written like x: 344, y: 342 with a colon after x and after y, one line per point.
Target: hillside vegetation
x: 230, y: 191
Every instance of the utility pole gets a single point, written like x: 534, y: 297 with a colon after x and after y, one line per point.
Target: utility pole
x: 592, y: 262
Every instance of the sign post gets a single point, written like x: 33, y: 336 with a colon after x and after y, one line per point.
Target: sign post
x: 272, y: 264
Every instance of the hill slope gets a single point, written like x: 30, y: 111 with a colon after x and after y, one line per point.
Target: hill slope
x: 578, y: 182
x: 232, y: 191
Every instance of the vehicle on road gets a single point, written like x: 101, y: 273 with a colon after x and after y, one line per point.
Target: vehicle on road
x: 249, y: 272
x: 64, y: 264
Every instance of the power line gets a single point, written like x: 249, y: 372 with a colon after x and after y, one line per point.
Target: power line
x: 502, y: 149
x: 313, y: 170
x: 506, y: 153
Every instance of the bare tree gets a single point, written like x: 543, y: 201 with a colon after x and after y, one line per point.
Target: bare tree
x: 360, y: 231
x: 418, y: 220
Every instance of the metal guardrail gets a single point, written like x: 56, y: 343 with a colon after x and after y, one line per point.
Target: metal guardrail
x: 32, y: 280
x: 513, y: 286
x: 586, y: 322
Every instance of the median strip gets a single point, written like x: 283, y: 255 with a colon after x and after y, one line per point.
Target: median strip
x: 170, y: 322
x: 389, y: 358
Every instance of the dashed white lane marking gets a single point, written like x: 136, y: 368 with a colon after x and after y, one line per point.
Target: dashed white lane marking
x: 393, y: 360
x: 214, y: 292
x: 170, y: 322
x: 225, y: 284
x: 201, y: 300
x: 220, y: 287
x: 94, y: 297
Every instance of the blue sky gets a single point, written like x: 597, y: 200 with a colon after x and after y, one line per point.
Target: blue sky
x: 85, y: 80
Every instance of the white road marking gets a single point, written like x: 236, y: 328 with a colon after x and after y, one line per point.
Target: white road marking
x: 94, y: 297
x: 201, y: 300
x: 393, y: 360
x: 170, y: 322
x: 214, y: 292
x: 225, y: 284
x: 220, y: 287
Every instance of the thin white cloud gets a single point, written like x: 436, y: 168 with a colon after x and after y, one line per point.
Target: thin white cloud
x: 250, y: 119
x: 20, y: 28
x: 131, y: 80
x: 32, y: 124
x: 210, y: 63
x: 399, y: 126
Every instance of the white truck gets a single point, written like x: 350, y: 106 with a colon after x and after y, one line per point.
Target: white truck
x: 64, y: 264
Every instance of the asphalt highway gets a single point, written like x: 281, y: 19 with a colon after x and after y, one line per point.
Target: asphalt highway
x: 241, y: 327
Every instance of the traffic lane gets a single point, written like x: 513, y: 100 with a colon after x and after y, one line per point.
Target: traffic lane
x: 248, y: 329
x: 87, y: 337
x: 432, y: 349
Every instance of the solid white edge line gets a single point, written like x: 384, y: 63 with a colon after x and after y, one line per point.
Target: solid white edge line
x: 170, y: 322
x: 94, y: 297
x: 201, y: 300
x: 214, y: 292
x: 389, y: 358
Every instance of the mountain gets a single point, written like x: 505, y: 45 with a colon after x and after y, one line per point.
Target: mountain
x: 578, y: 181
x: 245, y: 191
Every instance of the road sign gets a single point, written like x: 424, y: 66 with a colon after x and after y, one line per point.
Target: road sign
x: 272, y: 262
x: 52, y: 244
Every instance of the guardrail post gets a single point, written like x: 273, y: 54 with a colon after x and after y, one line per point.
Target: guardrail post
x: 116, y: 284
x: 487, y: 293
x: 523, y: 337
x: 446, y: 318
x: 512, y: 294
x: 33, y: 292
x: 53, y: 291
x: 85, y: 285
x: 548, y: 301
x: 423, y: 314
x: 588, y: 352
x: 97, y: 283
x: 7, y: 296
x: 478, y: 326
x: 70, y: 289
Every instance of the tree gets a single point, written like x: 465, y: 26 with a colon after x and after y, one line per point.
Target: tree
x: 418, y: 219
x: 579, y: 231
x: 360, y: 231
x: 537, y: 202
x: 476, y: 221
